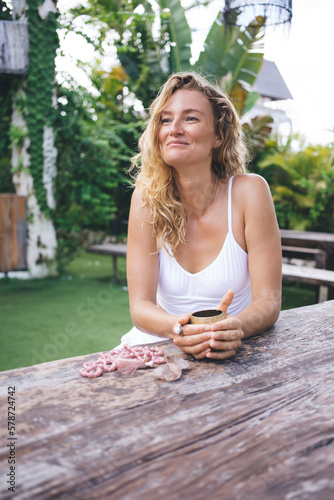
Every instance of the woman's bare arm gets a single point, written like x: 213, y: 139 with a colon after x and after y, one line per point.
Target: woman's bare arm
x: 264, y: 258
x: 143, y: 275
x: 263, y: 245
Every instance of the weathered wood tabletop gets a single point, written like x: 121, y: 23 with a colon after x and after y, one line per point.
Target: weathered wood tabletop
x: 258, y: 426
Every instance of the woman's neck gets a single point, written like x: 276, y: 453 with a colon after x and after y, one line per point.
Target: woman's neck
x: 197, y: 193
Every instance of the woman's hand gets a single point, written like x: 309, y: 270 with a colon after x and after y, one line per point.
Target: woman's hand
x: 217, y: 341
x: 194, y: 339
x: 226, y: 335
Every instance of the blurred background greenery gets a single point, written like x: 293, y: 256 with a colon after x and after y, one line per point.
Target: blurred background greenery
x: 39, y: 316
x: 97, y: 129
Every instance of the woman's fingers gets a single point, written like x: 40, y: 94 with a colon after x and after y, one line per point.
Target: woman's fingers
x: 189, y: 330
x: 227, y: 329
x: 200, y: 348
x: 218, y: 341
x: 182, y: 320
x: 226, y: 338
x: 202, y: 354
x: 227, y: 335
x: 220, y: 354
x: 192, y: 340
x: 225, y: 345
x: 226, y: 301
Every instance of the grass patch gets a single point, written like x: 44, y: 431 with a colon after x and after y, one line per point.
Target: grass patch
x: 78, y: 313
x: 298, y: 295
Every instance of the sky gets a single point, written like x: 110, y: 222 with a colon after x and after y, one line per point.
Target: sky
x: 303, y: 53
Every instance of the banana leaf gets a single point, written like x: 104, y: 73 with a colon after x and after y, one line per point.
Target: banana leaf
x: 216, y: 46
x: 180, y: 36
x: 129, y: 61
x: 250, y: 101
x: 232, y: 50
x: 242, y: 59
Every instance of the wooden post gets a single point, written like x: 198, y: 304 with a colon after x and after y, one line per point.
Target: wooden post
x: 13, y: 233
x: 114, y: 257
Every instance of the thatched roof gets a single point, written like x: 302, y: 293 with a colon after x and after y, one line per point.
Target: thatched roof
x: 14, y: 47
x: 269, y: 82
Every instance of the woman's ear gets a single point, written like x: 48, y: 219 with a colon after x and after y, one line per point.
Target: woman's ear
x: 217, y: 143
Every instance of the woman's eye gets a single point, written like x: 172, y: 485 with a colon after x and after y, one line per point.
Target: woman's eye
x: 191, y: 118
x: 165, y: 120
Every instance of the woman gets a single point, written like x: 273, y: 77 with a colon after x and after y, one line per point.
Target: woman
x: 202, y: 232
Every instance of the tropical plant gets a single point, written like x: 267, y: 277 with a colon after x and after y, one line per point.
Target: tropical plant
x: 233, y: 56
x: 256, y: 133
x: 98, y: 130
x: 94, y: 150
x: 302, y: 184
x: 7, y: 88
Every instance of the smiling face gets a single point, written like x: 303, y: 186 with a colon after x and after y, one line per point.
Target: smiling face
x: 187, y: 133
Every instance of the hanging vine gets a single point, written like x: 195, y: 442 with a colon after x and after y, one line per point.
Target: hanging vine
x: 43, y: 40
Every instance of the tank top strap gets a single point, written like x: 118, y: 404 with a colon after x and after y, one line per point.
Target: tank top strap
x: 229, y: 204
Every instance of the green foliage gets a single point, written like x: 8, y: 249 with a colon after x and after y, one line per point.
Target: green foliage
x: 9, y: 85
x: 5, y: 11
x: 233, y: 53
x: 179, y: 36
x: 156, y: 42
x: 17, y: 135
x: 43, y: 41
x: 94, y: 152
x: 7, y: 88
x: 256, y: 133
x: 302, y: 184
x: 73, y: 308
x: 98, y: 135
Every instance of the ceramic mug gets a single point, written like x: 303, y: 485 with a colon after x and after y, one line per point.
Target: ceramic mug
x: 207, y: 317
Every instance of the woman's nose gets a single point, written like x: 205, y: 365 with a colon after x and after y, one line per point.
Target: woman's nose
x: 176, y: 128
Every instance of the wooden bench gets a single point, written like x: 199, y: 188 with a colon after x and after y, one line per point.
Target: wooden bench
x: 319, y: 277
x: 316, y: 254
x: 320, y: 242
x: 310, y: 239
x: 113, y: 249
x: 323, y: 278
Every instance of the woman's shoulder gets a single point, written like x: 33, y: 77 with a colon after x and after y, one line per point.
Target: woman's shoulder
x: 245, y: 181
x: 140, y: 213
x: 252, y: 192
x: 137, y: 197
x: 249, y: 186
x: 139, y: 204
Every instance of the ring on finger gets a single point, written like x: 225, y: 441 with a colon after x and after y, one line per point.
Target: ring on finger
x: 178, y: 329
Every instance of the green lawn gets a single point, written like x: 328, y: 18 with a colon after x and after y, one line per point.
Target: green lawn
x: 78, y: 313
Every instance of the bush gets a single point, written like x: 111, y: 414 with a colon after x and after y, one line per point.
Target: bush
x: 92, y: 184
x: 302, y: 184
x: 8, y: 84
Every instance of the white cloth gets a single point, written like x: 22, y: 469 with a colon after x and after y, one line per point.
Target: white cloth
x: 181, y: 292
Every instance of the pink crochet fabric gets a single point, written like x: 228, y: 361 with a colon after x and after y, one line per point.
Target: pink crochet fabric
x: 125, y: 359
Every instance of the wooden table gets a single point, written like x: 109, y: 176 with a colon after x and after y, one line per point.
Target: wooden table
x: 259, y: 426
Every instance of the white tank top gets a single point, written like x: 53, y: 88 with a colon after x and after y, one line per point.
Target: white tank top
x: 182, y: 292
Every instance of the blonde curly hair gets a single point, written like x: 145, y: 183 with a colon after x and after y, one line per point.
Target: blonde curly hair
x: 154, y: 179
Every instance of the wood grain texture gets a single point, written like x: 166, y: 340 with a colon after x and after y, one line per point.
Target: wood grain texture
x: 13, y: 232
x: 307, y: 274
x: 258, y: 426
x: 309, y: 239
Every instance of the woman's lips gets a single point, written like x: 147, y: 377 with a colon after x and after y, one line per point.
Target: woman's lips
x: 177, y: 143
